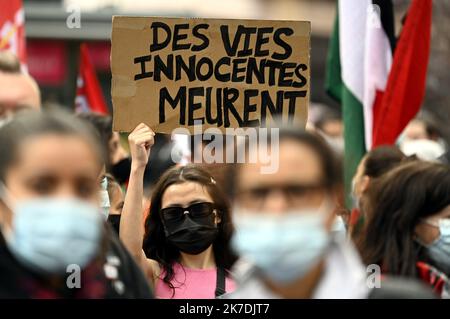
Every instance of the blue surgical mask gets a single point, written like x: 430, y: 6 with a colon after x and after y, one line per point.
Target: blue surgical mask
x: 284, y: 247
x: 50, y: 233
x: 439, y: 250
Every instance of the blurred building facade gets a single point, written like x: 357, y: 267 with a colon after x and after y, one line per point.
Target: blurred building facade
x: 53, y: 46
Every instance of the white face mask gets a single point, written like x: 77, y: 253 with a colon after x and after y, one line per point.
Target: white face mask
x: 285, y: 247
x: 337, y: 143
x: 425, y: 150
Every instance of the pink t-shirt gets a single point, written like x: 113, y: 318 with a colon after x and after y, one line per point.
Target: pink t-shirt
x: 191, y: 284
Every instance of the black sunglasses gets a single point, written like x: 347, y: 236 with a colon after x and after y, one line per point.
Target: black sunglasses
x: 197, y: 210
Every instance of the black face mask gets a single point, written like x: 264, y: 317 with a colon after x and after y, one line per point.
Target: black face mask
x: 121, y: 170
x: 114, y: 220
x: 192, y: 237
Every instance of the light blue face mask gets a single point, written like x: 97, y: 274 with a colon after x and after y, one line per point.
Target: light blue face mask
x: 104, y: 198
x: 439, y: 250
x: 285, y: 247
x: 48, y: 234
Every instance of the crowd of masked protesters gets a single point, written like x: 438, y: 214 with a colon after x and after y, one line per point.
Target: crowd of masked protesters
x: 86, y: 212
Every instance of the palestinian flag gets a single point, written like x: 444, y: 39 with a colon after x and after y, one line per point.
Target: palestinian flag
x: 363, y: 75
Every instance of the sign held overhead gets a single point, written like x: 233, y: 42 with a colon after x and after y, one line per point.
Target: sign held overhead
x: 173, y: 72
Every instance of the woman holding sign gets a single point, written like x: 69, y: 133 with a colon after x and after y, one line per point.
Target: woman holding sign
x: 185, y: 251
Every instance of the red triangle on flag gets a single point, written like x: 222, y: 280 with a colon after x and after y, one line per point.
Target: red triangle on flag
x: 89, y: 93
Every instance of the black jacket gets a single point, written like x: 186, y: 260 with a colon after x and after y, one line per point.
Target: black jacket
x: 116, y: 275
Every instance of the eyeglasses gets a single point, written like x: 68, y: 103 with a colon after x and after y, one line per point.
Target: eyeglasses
x: 294, y: 194
x: 290, y: 191
x: 197, y: 210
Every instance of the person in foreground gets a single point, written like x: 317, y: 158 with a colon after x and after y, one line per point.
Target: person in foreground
x: 284, y: 230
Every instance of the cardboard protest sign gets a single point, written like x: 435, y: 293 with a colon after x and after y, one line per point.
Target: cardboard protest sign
x: 172, y: 72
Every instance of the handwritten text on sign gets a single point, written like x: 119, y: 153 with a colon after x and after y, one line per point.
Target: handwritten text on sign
x: 170, y: 72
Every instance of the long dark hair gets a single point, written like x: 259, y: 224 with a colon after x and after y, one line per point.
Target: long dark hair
x: 396, y: 204
x: 377, y: 162
x: 157, y: 247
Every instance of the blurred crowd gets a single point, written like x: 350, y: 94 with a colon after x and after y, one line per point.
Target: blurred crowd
x: 85, y: 213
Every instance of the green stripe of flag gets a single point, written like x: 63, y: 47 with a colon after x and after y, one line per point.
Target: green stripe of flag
x: 333, y: 80
x: 352, y: 112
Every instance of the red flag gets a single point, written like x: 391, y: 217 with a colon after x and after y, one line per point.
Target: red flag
x: 405, y: 88
x: 12, y: 29
x: 89, y: 93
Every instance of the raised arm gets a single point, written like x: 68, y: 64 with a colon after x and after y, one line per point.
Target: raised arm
x: 131, y: 227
